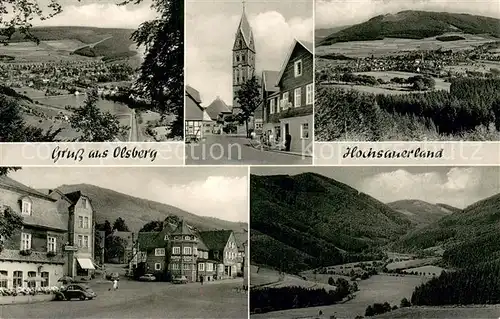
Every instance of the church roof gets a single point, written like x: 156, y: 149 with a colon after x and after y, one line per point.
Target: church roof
x: 216, y: 108
x: 246, y: 31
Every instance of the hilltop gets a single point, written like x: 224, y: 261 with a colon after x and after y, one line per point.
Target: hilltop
x: 109, y: 205
x: 468, y: 237
x: 322, y: 221
x: 106, y: 43
x: 422, y: 213
x: 415, y: 25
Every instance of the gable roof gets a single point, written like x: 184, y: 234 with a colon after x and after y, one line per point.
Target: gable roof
x: 216, y: 108
x: 306, y: 45
x: 193, y: 111
x: 269, y: 78
x: 13, y: 184
x: 246, y: 31
x: 258, y: 114
x: 216, y: 239
x: 150, y: 240
x: 182, y: 229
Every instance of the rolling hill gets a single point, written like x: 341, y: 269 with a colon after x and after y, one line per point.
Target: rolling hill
x: 468, y: 237
x: 136, y: 212
x: 322, y: 221
x: 415, y: 25
x: 421, y: 213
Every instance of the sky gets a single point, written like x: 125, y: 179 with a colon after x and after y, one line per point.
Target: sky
x: 456, y: 186
x: 98, y: 13
x: 335, y: 13
x: 220, y: 192
x: 210, y: 30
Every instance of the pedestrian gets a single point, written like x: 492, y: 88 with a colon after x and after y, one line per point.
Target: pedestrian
x: 201, y: 280
x: 271, y: 139
x: 115, y: 284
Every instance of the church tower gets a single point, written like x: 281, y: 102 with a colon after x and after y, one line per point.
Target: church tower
x: 243, y: 55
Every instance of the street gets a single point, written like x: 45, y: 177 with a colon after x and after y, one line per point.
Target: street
x: 133, y: 299
x: 230, y: 150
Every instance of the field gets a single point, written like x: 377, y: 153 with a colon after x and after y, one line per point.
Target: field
x: 51, y: 51
x: 444, y: 312
x: 482, y: 66
x: 427, y: 270
x: 271, y: 278
x: 388, y: 75
x: 394, y: 46
x: 411, y: 263
x: 378, y: 288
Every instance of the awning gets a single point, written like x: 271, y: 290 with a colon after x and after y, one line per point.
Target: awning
x: 85, y: 263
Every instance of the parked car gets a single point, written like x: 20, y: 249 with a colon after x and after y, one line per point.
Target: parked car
x: 180, y: 280
x: 76, y: 291
x: 147, y: 277
x: 113, y: 276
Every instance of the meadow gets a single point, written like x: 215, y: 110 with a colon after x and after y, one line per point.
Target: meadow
x: 411, y: 263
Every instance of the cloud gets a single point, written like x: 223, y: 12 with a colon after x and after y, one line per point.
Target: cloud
x: 209, y: 43
x: 331, y: 13
x: 216, y: 196
x: 459, y: 187
x: 104, y: 15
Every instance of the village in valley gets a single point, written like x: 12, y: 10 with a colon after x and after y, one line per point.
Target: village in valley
x: 59, y: 246
x: 416, y: 82
x: 267, y: 118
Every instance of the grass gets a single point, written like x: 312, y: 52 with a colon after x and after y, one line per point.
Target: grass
x: 444, y: 312
x: 411, y: 263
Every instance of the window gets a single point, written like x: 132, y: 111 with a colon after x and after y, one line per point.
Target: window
x: 297, y: 66
x: 297, y: 97
x: 80, y: 241
x: 271, y: 106
x: 175, y: 266
x: 51, y: 244
x: 285, y: 101
x: 157, y: 266
x: 304, y: 130
x: 26, y: 207
x: 210, y: 267
x: 237, y: 58
x: 216, y: 254
x: 187, y: 267
x: 205, y: 254
x: 243, y: 58
x: 86, y: 222
x: 17, y: 279
x: 187, y: 238
x: 160, y: 252
x: 45, y: 277
x: 187, y: 250
x: 3, y: 278
x: 85, y: 241
x: 166, y: 237
x: 195, y: 251
x: 80, y: 221
x: 201, y: 267
x: 176, y: 250
x: 31, y: 282
x: 84, y: 202
x: 309, y: 94
x: 25, y: 241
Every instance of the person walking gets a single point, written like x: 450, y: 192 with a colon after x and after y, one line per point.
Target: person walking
x: 201, y: 280
x: 115, y: 284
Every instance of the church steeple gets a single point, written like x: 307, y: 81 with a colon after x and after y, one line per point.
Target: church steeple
x: 243, y: 54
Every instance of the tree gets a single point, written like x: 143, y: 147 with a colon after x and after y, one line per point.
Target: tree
x: 161, y: 77
x: 13, y: 128
x: 369, y: 311
x: 249, y: 98
x: 152, y: 226
x: 119, y: 225
x: 94, y: 125
x: 10, y: 222
x: 405, y: 303
x: 16, y: 16
x: 331, y: 281
x: 115, y: 248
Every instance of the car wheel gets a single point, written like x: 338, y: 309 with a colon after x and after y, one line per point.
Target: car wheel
x: 82, y: 297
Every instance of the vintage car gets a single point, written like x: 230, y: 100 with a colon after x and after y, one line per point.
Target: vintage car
x: 180, y: 280
x: 76, y: 291
x: 147, y: 277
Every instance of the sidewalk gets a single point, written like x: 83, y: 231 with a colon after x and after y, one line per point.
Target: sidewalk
x: 267, y: 149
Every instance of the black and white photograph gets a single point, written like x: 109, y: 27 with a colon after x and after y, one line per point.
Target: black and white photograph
x: 249, y: 82
x: 402, y: 70
x: 382, y: 242
x: 91, y: 71
x: 168, y: 242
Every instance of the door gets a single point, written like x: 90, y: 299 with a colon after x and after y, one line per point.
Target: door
x: 287, y: 129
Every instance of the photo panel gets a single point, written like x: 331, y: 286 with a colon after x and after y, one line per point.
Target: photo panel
x: 357, y: 242
x: 167, y: 242
x: 92, y: 71
x: 249, y: 82
x: 420, y: 74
